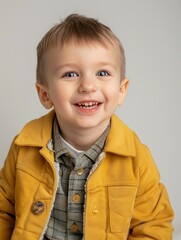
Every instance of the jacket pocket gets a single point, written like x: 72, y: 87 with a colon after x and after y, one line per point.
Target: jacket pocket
x: 121, y: 204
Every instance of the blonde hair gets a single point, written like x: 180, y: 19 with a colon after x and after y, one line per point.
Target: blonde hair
x: 80, y: 29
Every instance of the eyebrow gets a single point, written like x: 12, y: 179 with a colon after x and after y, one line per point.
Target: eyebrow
x: 104, y: 64
x: 107, y: 64
x: 64, y: 65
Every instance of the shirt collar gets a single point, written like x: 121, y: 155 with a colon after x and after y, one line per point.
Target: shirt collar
x: 61, y: 148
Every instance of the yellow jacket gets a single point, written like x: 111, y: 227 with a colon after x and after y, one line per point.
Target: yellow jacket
x: 124, y: 199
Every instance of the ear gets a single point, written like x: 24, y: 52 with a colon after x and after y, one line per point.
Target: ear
x: 123, y: 90
x: 43, y: 96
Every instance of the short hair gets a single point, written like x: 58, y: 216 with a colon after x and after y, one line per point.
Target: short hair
x: 80, y: 29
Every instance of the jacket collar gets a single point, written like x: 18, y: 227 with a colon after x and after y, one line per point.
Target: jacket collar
x: 38, y: 132
x: 124, y: 139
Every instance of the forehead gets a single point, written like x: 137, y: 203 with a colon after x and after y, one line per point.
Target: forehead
x: 92, y: 50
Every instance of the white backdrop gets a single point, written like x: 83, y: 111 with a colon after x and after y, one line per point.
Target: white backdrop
x: 151, y: 35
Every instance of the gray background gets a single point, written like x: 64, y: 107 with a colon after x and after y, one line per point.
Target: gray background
x: 151, y: 35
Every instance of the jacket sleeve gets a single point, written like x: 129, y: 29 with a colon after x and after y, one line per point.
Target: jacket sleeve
x: 152, y: 215
x: 7, y: 182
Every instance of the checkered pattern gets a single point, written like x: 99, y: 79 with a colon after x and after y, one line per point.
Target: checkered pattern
x: 66, y: 221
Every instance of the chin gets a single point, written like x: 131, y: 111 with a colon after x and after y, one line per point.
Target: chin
x: 92, y: 123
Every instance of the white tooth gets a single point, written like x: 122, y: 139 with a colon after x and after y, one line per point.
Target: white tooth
x: 86, y: 104
x: 90, y: 104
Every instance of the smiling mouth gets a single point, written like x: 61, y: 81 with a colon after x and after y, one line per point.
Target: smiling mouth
x: 88, y: 105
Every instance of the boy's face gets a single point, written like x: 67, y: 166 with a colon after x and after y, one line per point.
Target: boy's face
x: 83, y: 84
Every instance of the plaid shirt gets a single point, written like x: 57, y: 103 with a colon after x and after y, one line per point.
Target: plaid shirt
x: 66, y: 221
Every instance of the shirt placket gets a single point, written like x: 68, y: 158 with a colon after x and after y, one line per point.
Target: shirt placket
x: 76, y: 194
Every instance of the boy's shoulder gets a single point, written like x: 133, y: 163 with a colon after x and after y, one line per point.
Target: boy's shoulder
x: 36, y: 132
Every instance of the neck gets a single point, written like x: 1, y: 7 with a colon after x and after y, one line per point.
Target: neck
x: 82, y: 139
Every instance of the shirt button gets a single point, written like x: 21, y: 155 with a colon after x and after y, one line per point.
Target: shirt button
x: 76, y: 198
x: 38, y: 208
x: 80, y: 171
x: 74, y: 228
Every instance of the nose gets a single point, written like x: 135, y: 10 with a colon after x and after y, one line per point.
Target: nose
x: 87, y: 84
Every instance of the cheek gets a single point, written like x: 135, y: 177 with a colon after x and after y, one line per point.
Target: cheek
x: 112, y: 93
x: 57, y: 92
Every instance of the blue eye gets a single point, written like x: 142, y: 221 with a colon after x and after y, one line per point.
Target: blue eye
x: 71, y: 74
x: 103, y: 73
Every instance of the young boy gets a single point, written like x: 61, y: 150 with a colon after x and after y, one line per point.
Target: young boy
x: 79, y: 172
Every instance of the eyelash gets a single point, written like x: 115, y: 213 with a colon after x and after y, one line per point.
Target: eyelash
x: 106, y: 73
x: 68, y: 74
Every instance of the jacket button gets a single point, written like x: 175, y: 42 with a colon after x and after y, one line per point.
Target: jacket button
x: 38, y: 208
x: 95, y: 212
